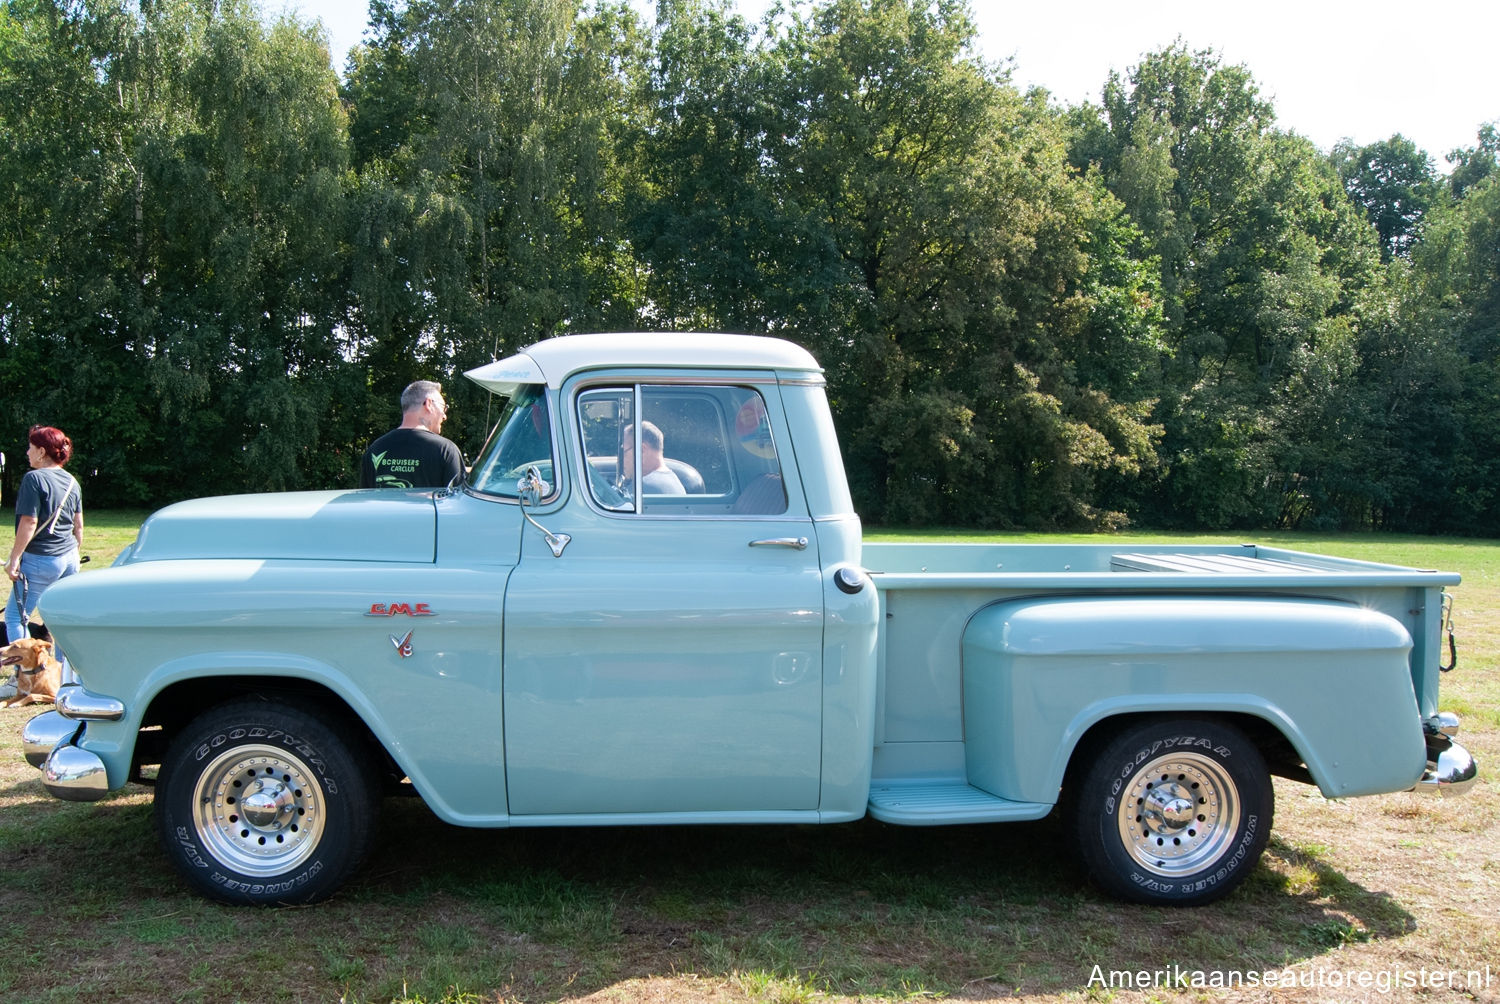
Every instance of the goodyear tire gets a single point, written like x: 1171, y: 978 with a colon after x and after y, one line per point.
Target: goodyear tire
x: 1170, y: 811
x: 262, y: 803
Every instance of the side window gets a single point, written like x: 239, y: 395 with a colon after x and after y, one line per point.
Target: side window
x: 697, y: 451
x: 603, y: 416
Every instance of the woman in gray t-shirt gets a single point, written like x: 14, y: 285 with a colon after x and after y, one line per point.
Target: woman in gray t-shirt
x: 49, y: 526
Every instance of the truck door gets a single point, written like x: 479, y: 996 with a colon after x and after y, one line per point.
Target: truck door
x: 669, y: 660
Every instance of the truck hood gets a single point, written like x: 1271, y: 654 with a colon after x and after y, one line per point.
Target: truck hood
x: 332, y: 526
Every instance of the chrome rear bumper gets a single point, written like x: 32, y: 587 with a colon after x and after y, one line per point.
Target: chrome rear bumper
x: 1451, y: 769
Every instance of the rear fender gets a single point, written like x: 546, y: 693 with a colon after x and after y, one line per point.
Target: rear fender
x: 1332, y: 677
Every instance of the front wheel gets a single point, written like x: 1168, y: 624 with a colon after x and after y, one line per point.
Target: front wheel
x: 262, y: 803
x: 1170, y: 811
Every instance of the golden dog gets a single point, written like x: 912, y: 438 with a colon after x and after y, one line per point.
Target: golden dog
x: 38, y: 673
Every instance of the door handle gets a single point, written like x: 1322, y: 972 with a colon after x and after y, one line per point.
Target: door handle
x: 796, y: 543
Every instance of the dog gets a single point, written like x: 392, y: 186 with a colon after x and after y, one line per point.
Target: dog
x: 38, y: 673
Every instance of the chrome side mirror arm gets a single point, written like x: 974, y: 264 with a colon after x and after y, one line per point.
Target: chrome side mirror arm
x: 531, y: 489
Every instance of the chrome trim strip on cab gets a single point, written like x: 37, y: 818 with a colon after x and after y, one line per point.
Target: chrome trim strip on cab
x: 802, y: 382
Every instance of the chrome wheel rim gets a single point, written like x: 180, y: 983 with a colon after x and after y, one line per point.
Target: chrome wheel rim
x: 1179, y: 814
x: 259, y: 810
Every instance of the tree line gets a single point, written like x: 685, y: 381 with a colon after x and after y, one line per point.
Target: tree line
x: 220, y: 260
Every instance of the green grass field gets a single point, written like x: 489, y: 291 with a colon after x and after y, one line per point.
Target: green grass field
x: 862, y: 911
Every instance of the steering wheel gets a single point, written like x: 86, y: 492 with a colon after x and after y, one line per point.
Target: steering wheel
x: 608, y: 495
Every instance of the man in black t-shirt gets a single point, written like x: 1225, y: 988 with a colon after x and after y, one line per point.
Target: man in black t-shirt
x: 414, y: 455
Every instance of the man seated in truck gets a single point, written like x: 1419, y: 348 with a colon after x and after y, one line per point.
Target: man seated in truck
x: 656, y: 477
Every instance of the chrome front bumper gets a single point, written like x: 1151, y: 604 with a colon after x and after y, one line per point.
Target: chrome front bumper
x: 42, y: 734
x: 69, y: 772
x: 1451, y: 769
x: 49, y: 741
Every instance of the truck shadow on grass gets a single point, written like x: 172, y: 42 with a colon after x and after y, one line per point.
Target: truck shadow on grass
x: 858, y: 909
x: 782, y: 913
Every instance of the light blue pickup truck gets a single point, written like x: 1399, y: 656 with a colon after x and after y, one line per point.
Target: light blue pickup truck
x: 649, y: 603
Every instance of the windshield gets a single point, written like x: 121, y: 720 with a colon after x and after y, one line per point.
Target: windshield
x: 522, y: 438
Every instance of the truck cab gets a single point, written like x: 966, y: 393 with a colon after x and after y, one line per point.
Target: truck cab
x: 707, y: 618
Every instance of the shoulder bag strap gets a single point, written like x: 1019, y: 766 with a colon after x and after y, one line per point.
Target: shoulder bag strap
x: 58, y: 511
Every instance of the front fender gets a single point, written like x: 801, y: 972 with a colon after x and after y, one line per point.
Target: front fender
x: 479, y: 801
x: 413, y: 650
x: 1332, y: 677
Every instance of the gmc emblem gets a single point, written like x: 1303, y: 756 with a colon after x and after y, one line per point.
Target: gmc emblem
x: 399, y: 609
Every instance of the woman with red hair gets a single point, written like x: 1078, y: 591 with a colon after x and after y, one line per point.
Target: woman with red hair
x: 49, y: 526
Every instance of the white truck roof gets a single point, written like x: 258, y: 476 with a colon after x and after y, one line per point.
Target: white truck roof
x: 554, y: 360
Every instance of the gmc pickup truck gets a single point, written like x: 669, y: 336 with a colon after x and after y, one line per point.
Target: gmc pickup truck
x: 648, y: 602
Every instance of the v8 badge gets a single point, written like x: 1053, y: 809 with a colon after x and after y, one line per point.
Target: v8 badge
x: 403, y: 645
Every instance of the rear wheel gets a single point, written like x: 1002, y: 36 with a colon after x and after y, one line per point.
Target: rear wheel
x: 264, y: 803
x: 1170, y: 811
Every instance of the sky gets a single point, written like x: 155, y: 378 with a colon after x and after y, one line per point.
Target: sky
x: 1333, y: 69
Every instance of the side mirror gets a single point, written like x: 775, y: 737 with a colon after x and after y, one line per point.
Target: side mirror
x: 531, y: 488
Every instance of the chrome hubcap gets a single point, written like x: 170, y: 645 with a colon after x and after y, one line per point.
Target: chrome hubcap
x: 1179, y: 814
x: 259, y: 810
x: 270, y: 805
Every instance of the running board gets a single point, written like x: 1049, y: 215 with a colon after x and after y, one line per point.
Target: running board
x: 944, y: 803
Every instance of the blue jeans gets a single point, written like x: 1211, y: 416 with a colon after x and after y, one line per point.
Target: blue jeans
x: 38, y: 571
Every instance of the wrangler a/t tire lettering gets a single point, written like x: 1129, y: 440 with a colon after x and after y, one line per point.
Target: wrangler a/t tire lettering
x: 263, y: 803
x: 1171, y: 811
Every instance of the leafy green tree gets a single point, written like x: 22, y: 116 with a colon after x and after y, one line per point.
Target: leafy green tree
x: 490, y: 202
x: 242, y: 146
x: 1472, y: 165
x: 1412, y: 384
x: 1264, y: 266
x: 218, y: 266
x: 1394, y: 183
x: 59, y: 164
x: 381, y: 91
x: 1458, y: 265
x: 707, y: 224
x: 946, y: 243
x: 188, y: 335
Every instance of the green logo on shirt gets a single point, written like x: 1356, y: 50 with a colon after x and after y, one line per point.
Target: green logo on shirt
x: 403, y: 465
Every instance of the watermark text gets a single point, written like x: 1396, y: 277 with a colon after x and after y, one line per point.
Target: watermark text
x: 1380, y: 980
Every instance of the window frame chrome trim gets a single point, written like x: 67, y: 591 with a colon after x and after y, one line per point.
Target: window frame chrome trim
x: 582, y: 383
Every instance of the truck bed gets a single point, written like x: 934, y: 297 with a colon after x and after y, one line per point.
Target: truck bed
x: 930, y: 592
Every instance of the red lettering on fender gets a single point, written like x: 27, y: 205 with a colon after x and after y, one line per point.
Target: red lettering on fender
x: 403, y: 609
